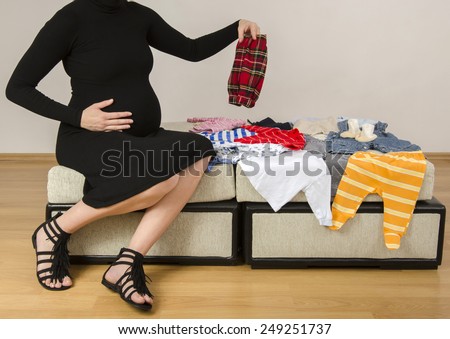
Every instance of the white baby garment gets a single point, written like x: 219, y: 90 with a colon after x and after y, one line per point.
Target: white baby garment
x: 279, y: 178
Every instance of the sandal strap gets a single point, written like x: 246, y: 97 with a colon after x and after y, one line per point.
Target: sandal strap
x: 44, y: 261
x: 123, y: 279
x: 44, y: 253
x: 45, y: 270
x: 133, y: 292
x: 129, y: 287
x: 120, y: 262
x: 53, y: 230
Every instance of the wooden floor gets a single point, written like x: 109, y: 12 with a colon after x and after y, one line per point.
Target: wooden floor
x: 206, y: 292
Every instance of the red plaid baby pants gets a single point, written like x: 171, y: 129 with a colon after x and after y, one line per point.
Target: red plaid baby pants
x: 249, y: 68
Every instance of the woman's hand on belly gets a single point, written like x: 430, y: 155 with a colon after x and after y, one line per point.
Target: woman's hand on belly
x: 96, y: 120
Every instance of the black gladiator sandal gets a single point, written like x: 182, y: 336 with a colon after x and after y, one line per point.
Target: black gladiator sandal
x: 58, y: 256
x: 134, y: 273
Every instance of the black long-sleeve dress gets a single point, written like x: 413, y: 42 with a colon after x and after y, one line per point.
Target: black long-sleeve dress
x: 104, y: 47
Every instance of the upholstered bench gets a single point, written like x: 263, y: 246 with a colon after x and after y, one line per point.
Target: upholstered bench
x: 205, y: 232
x: 227, y: 218
x: 292, y: 237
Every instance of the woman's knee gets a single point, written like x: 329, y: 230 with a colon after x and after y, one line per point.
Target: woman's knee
x: 163, y: 187
x: 201, y: 165
x: 154, y: 193
x: 171, y: 183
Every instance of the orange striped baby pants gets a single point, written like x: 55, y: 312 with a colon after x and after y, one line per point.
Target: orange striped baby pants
x: 396, y: 177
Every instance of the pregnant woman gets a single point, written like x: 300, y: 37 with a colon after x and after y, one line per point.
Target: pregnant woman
x: 104, y: 47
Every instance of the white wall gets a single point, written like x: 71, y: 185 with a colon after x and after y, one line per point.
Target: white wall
x: 383, y: 59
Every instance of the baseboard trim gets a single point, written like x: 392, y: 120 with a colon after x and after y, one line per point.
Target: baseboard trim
x: 437, y: 155
x: 51, y: 157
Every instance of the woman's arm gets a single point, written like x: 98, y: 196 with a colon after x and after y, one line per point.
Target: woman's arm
x: 167, y: 39
x: 51, y: 45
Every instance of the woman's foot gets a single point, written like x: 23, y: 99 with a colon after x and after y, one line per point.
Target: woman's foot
x: 126, y: 276
x: 50, y: 243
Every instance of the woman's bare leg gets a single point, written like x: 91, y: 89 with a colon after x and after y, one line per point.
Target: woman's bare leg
x: 158, y: 218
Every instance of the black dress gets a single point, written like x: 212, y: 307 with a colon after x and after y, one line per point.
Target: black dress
x: 104, y: 46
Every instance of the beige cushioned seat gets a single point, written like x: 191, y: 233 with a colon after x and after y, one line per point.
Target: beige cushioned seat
x: 65, y: 186
x: 246, y: 192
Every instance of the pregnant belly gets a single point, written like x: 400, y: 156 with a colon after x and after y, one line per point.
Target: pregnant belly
x: 141, y: 102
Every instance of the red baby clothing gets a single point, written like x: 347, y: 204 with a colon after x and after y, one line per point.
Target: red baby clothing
x: 291, y: 139
x: 248, y: 72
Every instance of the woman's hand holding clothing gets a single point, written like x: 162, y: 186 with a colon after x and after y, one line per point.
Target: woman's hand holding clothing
x: 248, y: 27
